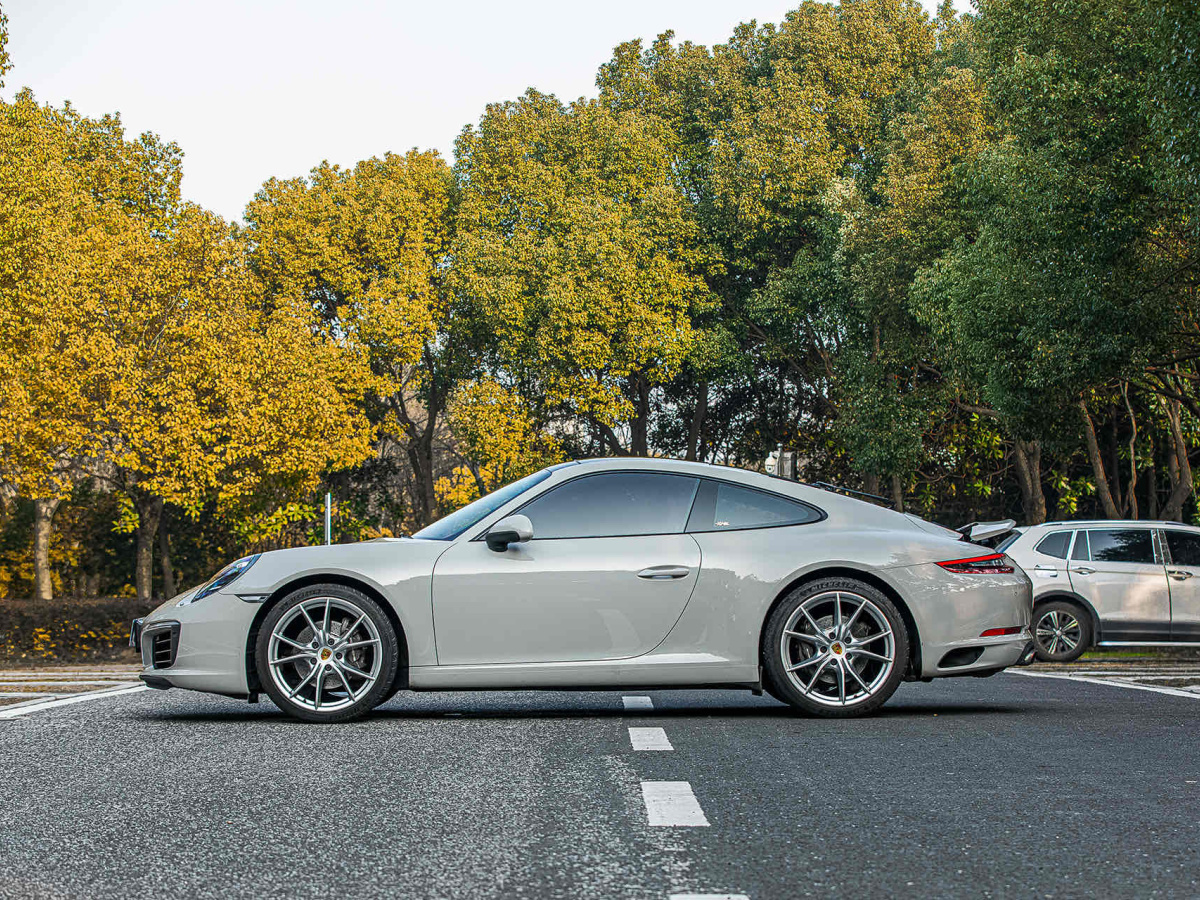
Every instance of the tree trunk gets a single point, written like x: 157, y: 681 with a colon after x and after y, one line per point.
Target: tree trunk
x: 897, y: 493
x: 1028, y: 457
x: 1179, y: 466
x: 871, y: 483
x: 1131, y: 501
x: 1093, y: 448
x: 43, y: 527
x: 164, y: 556
x: 149, y: 510
x: 1151, y: 480
x: 696, y: 431
x: 639, y: 426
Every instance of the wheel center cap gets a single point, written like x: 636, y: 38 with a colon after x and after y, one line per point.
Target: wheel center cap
x: 836, y: 647
x: 325, y: 653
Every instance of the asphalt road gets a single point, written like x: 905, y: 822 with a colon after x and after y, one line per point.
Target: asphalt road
x: 1011, y: 786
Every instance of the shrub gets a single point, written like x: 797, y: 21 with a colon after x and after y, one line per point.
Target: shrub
x: 68, y: 630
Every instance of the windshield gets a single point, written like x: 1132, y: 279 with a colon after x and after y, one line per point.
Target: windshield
x: 457, y: 522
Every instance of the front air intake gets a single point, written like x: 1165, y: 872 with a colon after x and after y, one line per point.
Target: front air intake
x: 163, y: 645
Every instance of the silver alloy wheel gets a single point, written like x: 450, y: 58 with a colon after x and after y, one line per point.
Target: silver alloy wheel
x: 838, y: 648
x: 325, y: 654
x: 1058, y: 629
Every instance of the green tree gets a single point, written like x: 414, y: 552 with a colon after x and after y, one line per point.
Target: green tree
x: 576, y: 251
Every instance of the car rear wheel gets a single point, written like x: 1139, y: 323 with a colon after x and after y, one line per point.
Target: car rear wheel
x: 835, y: 647
x: 1061, y: 632
x: 327, y: 653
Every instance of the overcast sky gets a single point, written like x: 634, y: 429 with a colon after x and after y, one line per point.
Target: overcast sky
x: 255, y: 88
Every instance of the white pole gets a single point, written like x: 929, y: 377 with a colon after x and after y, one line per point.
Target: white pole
x: 328, y: 518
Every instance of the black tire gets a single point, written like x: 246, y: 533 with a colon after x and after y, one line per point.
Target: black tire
x: 1060, y: 622
x: 346, y: 605
x: 878, y: 680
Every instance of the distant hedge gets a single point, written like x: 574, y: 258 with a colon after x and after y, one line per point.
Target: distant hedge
x: 66, y: 630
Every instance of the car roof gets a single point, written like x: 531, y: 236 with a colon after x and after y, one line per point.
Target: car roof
x: 1114, y: 523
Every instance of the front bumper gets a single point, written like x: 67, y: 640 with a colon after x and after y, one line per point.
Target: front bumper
x: 199, y: 646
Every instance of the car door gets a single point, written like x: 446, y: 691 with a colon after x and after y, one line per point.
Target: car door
x: 1046, y: 563
x: 1183, y: 581
x: 1119, y: 573
x: 607, y: 574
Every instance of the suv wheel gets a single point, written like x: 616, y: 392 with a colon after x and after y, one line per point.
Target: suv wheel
x: 1061, y: 632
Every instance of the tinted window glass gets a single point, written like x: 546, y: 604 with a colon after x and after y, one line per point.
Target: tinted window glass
x: 726, y: 507
x: 1008, y: 541
x: 613, y: 504
x: 1126, y: 545
x: 1055, y: 544
x: 1081, y: 546
x: 1184, y: 547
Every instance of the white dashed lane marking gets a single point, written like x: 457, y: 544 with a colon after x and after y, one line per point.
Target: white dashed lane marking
x: 672, y: 804
x: 649, y: 739
x: 638, y: 702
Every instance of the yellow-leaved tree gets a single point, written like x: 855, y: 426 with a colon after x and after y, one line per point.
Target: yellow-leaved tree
x: 498, y: 439
x: 366, y: 251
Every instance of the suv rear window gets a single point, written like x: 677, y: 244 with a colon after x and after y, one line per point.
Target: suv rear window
x: 1184, y: 547
x: 1055, y: 544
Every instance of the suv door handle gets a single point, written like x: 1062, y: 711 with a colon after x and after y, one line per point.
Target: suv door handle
x: 1179, y: 574
x: 1083, y: 570
x: 1046, y: 571
x: 664, y: 573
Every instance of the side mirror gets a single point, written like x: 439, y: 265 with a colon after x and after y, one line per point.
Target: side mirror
x: 509, y: 530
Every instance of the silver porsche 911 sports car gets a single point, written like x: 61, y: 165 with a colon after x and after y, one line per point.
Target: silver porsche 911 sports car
x: 609, y: 573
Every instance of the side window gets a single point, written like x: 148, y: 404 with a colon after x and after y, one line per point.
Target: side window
x: 727, y: 507
x: 613, y: 504
x: 1055, y: 544
x: 1184, y: 547
x: 1133, y: 545
x: 1081, y: 546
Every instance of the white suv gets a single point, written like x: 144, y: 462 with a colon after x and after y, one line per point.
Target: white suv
x: 1110, y: 583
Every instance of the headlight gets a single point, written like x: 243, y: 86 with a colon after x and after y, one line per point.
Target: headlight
x: 224, y: 578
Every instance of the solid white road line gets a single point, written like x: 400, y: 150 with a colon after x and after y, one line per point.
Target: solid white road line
x: 709, y: 897
x: 1173, y: 692
x: 672, y: 804
x: 649, y: 739
x: 11, y: 712
x: 638, y: 702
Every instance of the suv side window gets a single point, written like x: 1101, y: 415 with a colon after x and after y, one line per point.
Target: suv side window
x: 727, y: 507
x: 1081, y: 546
x: 1132, y: 545
x: 1184, y: 547
x: 613, y: 504
x: 1055, y: 544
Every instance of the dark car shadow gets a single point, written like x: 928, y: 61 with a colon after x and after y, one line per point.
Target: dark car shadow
x: 400, y: 711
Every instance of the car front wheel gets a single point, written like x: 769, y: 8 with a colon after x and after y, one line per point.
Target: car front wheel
x: 835, y: 647
x: 327, y: 653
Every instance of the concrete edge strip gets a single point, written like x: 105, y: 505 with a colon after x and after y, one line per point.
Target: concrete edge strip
x: 1172, y: 692
x: 21, y: 709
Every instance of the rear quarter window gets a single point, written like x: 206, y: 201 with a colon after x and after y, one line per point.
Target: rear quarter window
x: 1055, y: 544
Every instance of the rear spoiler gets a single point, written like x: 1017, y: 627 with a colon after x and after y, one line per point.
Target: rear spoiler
x: 978, y: 532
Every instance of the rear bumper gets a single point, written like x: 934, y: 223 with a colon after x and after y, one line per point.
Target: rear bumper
x: 973, y: 657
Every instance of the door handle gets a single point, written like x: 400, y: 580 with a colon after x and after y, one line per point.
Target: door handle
x: 1083, y: 570
x: 1046, y: 571
x: 664, y: 573
x: 1179, y: 574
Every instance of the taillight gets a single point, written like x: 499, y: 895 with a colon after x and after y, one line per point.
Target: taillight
x: 993, y: 564
x: 1000, y: 632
